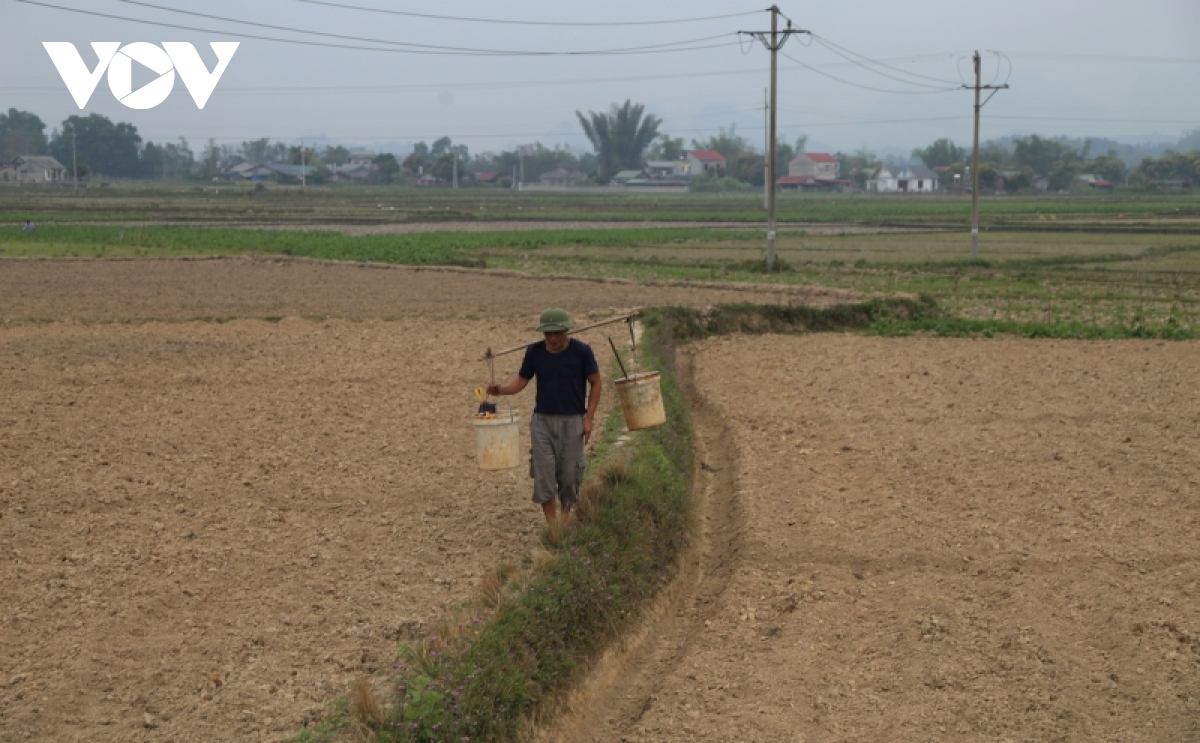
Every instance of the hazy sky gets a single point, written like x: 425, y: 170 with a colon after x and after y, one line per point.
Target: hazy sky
x: 1109, y: 68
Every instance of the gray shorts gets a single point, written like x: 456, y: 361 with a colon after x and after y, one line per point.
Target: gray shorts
x: 556, y: 459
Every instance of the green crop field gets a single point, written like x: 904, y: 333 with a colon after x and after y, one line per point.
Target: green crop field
x: 228, y: 203
x: 1125, y: 261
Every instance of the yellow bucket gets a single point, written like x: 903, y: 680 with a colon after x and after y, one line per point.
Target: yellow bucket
x: 498, y: 441
x: 641, y: 401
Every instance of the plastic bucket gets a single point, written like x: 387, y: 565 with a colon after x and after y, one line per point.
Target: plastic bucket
x: 498, y: 441
x: 641, y: 401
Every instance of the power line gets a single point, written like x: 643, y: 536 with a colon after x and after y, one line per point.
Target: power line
x: 345, y: 6
x: 1103, y: 58
x: 444, y: 51
x: 848, y: 55
x: 867, y: 87
x: 369, y: 40
x: 489, y: 85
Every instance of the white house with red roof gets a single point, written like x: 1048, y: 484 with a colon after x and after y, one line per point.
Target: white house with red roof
x: 813, y: 171
x: 701, y: 162
x: 818, y: 165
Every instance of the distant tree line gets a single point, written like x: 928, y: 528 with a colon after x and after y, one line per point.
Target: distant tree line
x: 623, y: 138
x: 1021, y: 161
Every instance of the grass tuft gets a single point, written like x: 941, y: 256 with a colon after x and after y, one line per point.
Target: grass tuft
x: 365, y: 707
x: 491, y: 589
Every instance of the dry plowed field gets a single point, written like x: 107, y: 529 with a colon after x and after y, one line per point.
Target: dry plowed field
x: 929, y: 540
x: 207, y: 529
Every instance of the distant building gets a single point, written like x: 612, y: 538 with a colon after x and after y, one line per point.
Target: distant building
x: 252, y: 171
x: 559, y: 178
x: 429, y: 180
x: 818, y: 165
x: 813, y: 171
x: 667, y: 168
x: 703, y: 162
x: 1096, y: 182
x: 904, y: 179
x: 361, y: 157
x: 33, y: 169
x: 808, y: 183
x: 625, y: 176
x: 248, y: 170
x: 487, y: 178
x: 350, y: 173
x: 291, y: 172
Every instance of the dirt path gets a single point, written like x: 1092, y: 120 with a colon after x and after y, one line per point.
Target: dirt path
x: 942, y: 540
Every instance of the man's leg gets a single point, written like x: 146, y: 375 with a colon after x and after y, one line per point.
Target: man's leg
x: 570, y: 461
x: 542, y: 464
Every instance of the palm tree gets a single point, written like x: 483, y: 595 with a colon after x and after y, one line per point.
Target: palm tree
x: 619, y: 137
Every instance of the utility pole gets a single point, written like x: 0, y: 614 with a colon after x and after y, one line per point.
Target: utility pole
x: 454, y: 179
x: 975, y: 154
x: 303, y: 168
x: 777, y: 40
x: 74, y: 159
x: 766, y: 149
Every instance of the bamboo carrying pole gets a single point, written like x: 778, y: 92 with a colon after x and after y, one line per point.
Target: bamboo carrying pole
x: 625, y: 318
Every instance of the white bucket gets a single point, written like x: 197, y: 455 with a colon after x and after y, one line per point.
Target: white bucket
x: 498, y: 441
x: 641, y: 401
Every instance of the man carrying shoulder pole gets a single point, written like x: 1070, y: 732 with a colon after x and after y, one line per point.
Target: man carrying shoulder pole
x: 568, y: 393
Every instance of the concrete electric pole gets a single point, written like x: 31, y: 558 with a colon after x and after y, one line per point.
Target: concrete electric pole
x: 975, y: 154
x: 774, y: 42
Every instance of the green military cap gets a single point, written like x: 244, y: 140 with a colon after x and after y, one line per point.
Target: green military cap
x: 554, y: 320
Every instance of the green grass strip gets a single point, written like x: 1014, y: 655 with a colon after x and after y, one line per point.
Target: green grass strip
x: 957, y: 327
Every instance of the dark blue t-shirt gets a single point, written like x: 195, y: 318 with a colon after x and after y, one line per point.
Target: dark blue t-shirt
x: 561, y: 377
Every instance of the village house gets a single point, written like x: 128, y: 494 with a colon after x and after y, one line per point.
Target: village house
x: 667, y: 168
x: 248, y: 170
x: 904, y: 179
x: 813, y: 171
x: 350, y: 173
x: 704, y: 162
x: 33, y: 169
x: 818, y: 165
x: 625, y: 176
x: 359, y: 158
x: 1091, y: 180
x: 559, y: 178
